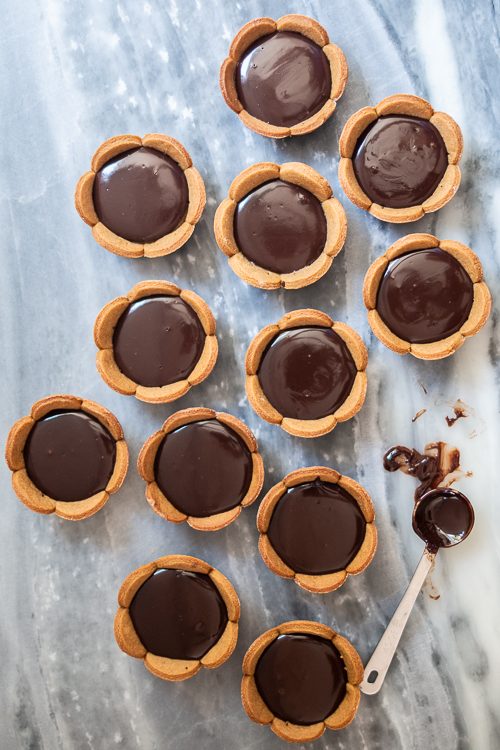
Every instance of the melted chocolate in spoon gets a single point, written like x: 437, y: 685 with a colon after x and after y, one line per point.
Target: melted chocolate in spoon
x: 443, y: 518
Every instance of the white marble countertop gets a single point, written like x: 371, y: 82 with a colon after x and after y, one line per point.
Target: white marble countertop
x: 74, y: 73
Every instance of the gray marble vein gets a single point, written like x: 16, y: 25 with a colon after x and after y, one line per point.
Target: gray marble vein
x: 73, y: 73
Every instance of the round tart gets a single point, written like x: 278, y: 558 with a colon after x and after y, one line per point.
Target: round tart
x: 283, y: 77
x: 301, y: 678
x: 306, y: 373
x: 67, y: 457
x: 280, y: 226
x: 426, y: 296
x: 202, y: 467
x: 156, y: 342
x: 317, y: 527
x: 142, y: 196
x: 399, y: 159
x: 177, y: 614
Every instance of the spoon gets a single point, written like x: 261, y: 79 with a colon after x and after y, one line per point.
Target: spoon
x: 442, y: 518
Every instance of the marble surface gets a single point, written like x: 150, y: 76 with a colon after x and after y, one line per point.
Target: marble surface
x: 72, y: 74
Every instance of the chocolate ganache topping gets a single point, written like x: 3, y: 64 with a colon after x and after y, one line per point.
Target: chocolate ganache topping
x: 283, y: 78
x: 141, y: 195
x: 69, y: 455
x: 178, y: 614
x: 158, y: 340
x: 301, y: 678
x: 203, y: 468
x: 317, y: 528
x: 400, y: 160
x: 280, y: 226
x: 425, y: 296
x: 307, y: 373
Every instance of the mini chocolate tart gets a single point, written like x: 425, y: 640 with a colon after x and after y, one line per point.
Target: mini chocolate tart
x: 67, y: 457
x: 317, y: 527
x: 283, y: 77
x: 142, y: 196
x: 202, y: 467
x: 426, y: 296
x: 177, y: 614
x: 399, y: 159
x: 306, y: 373
x: 280, y: 226
x: 301, y: 678
x: 156, y: 342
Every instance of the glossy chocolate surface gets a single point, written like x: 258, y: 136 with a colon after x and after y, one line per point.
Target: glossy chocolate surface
x: 178, y: 614
x: 443, y: 518
x: 69, y: 455
x: 203, y: 468
x: 301, y: 678
x: 158, y: 340
x: 317, y: 528
x: 141, y: 195
x: 307, y: 373
x: 283, y: 78
x: 399, y: 160
x: 280, y: 226
x: 423, y: 467
x: 425, y: 296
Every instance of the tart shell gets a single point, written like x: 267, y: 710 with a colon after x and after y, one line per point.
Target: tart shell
x: 308, y: 428
x: 479, y: 313
x: 260, y: 27
x: 323, y: 583
x: 400, y: 104
x: 258, y: 711
x: 28, y: 492
x: 167, y: 244
x: 298, y: 174
x: 176, y: 670
x: 161, y: 504
x: 107, y: 320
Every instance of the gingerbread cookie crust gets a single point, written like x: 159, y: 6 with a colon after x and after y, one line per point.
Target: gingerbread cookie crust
x: 308, y: 428
x: 481, y: 298
x: 258, y: 711
x: 262, y: 28
x: 104, y: 330
x: 163, y: 667
x: 156, y: 497
x: 23, y: 485
x: 325, y: 582
x: 297, y: 174
x: 174, y: 239
x: 414, y: 107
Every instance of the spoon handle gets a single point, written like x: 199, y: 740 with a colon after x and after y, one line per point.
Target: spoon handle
x: 380, y: 660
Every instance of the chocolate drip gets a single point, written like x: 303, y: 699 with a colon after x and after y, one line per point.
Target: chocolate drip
x: 400, y: 160
x: 283, y: 78
x: 141, y: 195
x: 203, y: 468
x: 301, y: 678
x: 158, y: 340
x: 69, y: 455
x: 280, y: 226
x: 425, y: 468
x: 317, y: 528
x: 178, y: 614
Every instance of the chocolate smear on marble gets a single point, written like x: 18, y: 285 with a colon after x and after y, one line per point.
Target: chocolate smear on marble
x: 438, y: 465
